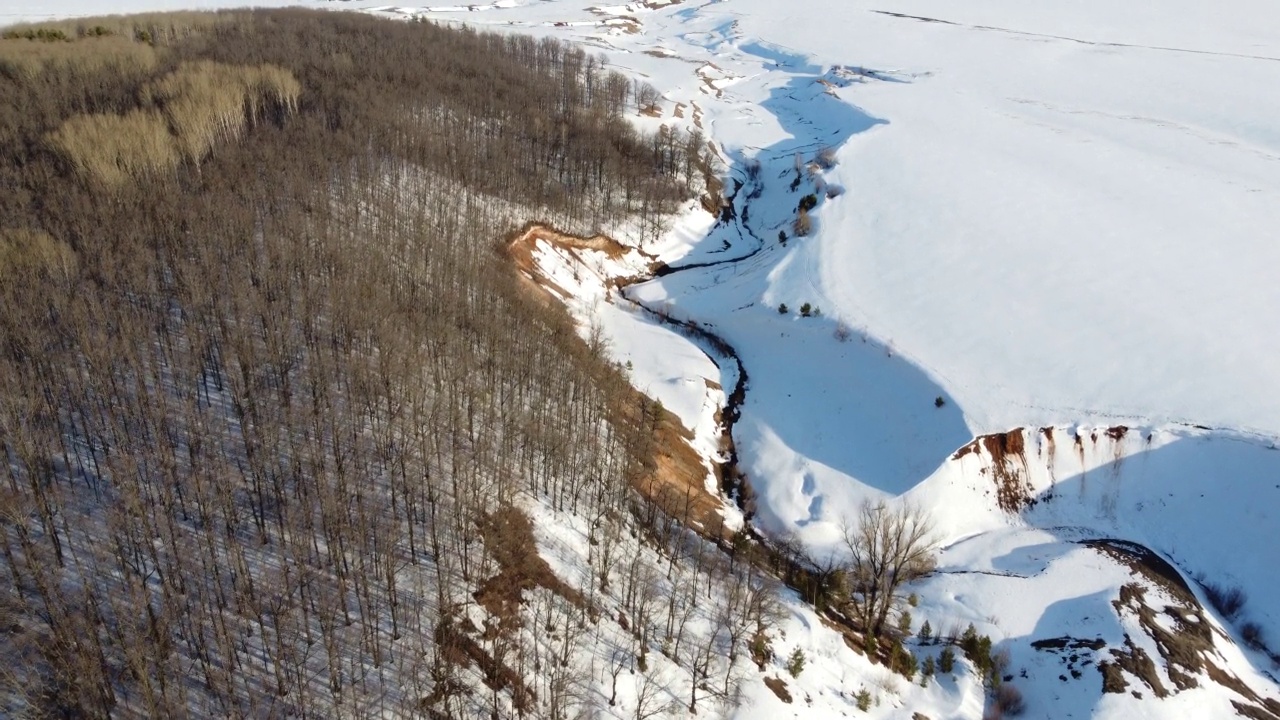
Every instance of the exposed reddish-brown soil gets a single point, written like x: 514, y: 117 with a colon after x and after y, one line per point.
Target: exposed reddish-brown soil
x: 1009, y: 468
x: 676, y: 481
x: 508, y: 536
x: 779, y: 688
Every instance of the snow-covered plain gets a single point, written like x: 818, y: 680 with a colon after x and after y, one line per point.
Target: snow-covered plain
x: 1046, y: 215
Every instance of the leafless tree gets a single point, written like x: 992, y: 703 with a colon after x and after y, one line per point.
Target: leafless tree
x: 887, y: 548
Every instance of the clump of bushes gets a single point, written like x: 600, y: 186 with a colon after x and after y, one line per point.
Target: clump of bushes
x: 1227, y: 600
x: 977, y: 650
x: 40, y: 34
x: 1251, y: 633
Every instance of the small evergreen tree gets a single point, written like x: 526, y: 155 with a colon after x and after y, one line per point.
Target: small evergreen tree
x: 947, y: 661
x: 783, y: 309
x: 927, y: 670
x: 969, y: 641
x: 907, y: 664
x: 904, y: 622
x: 795, y: 664
x: 806, y: 309
x: 863, y: 698
x: 981, y: 657
x: 926, y: 633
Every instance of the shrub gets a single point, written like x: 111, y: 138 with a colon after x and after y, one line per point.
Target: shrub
x: 913, y: 600
x: 761, y: 651
x: 826, y: 158
x: 863, y: 699
x: 842, y: 332
x: 1251, y: 633
x: 783, y: 309
x: 807, y: 203
x: 939, y: 402
x: 782, y: 236
x: 1009, y: 700
x: 795, y: 664
x: 998, y: 663
x: 806, y: 309
x: 803, y: 224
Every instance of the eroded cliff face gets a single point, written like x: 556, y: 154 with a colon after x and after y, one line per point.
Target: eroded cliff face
x: 1024, y: 466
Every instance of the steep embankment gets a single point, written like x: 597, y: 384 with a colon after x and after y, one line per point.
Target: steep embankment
x: 551, y: 260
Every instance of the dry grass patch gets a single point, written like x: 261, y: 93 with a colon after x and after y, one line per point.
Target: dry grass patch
x: 26, y: 252
x: 114, y: 149
x: 194, y: 108
x: 779, y: 688
x: 150, y: 28
x: 26, y: 60
x: 207, y: 102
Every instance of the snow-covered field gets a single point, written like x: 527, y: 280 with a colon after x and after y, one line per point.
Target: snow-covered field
x: 1052, y: 215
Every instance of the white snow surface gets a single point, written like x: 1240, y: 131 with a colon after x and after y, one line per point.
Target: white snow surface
x: 1055, y: 215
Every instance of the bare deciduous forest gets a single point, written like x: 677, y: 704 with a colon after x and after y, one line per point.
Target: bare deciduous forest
x: 270, y: 393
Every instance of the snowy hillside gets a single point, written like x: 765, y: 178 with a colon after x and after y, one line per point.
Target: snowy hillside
x: 1038, y: 302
